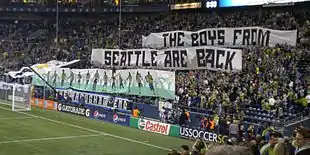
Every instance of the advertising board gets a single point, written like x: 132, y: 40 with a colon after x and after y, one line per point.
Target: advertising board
x: 73, y: 109
x: 182, y: 6
x: 154, y: 126
x: 44, y: 104
x: 106, y: 115
x: 193, y: 133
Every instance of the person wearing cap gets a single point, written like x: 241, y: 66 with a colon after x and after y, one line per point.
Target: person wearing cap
x: 303, y: 141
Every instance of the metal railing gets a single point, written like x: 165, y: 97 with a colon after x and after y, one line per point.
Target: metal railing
x: 278, y: 122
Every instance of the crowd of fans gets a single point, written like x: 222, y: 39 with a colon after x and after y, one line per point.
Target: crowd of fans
x: 271, y: 88
x: 297, y: 144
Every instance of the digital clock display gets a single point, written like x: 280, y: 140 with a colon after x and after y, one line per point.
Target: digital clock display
x: 211, y: 4
x: 237, y: 3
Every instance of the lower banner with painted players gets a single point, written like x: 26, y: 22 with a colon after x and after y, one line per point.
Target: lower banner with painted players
x: 131, y: 81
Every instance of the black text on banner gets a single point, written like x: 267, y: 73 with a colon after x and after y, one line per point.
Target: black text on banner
x: 227, y: 37
x: 203, y: 57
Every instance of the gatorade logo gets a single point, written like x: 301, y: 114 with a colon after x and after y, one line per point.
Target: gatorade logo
x: 87, y: 112
x: 71, y: 109
x: 59, y: 107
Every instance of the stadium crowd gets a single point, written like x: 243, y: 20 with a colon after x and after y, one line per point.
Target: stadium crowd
x: 298, y: 144
x: 271, y: 87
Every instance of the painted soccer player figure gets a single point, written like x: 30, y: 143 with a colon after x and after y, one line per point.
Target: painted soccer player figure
x: 150, y: 81
x: 87, y: 79
x: 71, y: 77
x: 54, y: 77
x: 129, y: 79
x: 105, y: 80
x: 48, y: 76
x: 79, y: 79
x: 113, y: 78
x: 139, y: 81
x: 63, y: 77
x: 121, y: 84
x: 96, y: 78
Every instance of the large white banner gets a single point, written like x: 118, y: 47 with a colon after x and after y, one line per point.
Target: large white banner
x: 26, y: 71
x: 141, y: 82
x: 224, y: 37
x: 204, y: 57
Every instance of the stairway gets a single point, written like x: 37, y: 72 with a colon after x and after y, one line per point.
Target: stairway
x: 304, y: 66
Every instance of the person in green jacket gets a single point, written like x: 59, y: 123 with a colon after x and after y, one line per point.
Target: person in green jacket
x: 268, y: 149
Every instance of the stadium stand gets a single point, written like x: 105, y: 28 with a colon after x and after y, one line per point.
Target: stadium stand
x: 273, y: 95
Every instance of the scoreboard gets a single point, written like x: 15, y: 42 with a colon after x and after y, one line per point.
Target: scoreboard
x: 235, y: 3
x: 211, y: 4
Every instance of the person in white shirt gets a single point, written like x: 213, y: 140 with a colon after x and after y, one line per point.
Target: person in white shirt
x: 308, y: 98
x: 162, y: 114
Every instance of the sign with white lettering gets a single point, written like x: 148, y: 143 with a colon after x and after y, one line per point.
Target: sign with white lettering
x: 73, y: 109
x: 225, y: 37
x: 203, y: 57
x: 154, y: 126
x: 103, y: 114
x: 202, y: 134
x: 97, y: 99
